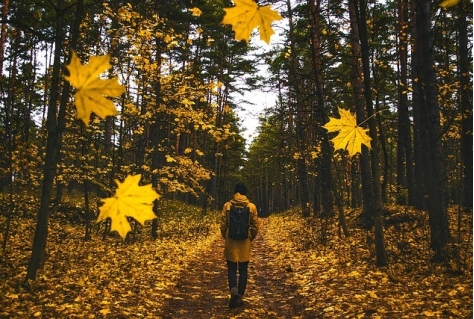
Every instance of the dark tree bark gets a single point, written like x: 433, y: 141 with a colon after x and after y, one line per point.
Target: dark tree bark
x: 3, y: 32
x: 55, y: 125
x: 418, y: 191
x: 366, y: 218
x: 286, y: 195
x: 355, y: 184
x: 8, y: 179
x: 431, y: 148
x: 405, y: 173
x: 158, y: 138
x: 324, y: 160
x: 386, y: 177
x: 360, y: 31
x: 466, y: 106
x: 301, y: 122
x: 7, y: 162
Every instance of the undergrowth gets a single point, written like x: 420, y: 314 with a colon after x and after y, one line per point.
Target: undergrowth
x: 99, y: 276
x: 406, y: 234
x: 335, y: 276
x: 339, y: 276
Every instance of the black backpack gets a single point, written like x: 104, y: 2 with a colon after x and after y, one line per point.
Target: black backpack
x: 239, y: 222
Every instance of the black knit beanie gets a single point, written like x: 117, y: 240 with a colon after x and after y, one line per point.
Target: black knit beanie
x: 240, y: 188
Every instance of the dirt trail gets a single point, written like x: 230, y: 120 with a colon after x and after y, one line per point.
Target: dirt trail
x: 202, y: 290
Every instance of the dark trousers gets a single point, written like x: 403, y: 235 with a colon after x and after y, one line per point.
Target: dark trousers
x: 243, y: 275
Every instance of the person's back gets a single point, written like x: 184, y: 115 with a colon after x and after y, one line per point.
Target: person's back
x: 237, y: 251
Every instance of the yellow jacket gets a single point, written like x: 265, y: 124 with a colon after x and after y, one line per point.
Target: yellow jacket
x: 238, y: 250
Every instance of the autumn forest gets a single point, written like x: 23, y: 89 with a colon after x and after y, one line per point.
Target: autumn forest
x: 124, y: 128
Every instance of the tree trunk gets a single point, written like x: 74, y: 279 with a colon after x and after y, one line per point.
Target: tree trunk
x: 85, y: 182
x: 324, y: 160
x: 158, y: 137
x: 3, y: 32
x: 405, y: 175
x: 381, y: 254
x: 55, y: 126
x: 360, y: 32
x: 431, y: 148
x: 386, y: 160
x: 419, y: 185
x: 286, y: 196
x: 466, y: 106
x: 8, y: 180
x: 301, y: 125
x: 366, y: 218
x: 355, y: 184
x: 340, y: 209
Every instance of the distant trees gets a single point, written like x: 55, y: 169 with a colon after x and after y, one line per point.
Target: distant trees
x: 398, y: 65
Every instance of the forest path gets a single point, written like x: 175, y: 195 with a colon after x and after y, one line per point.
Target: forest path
x: 202, y: 290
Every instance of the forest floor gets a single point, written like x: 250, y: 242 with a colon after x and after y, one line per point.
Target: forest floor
x: 291, y: 274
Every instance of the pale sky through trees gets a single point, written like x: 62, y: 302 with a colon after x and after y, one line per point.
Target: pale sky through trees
x: 251, y: 108
x: 253, y: 103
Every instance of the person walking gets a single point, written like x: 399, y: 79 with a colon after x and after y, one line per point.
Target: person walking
x: 237, y: 251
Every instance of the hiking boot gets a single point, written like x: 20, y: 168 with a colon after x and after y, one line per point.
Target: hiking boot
x: 234, y: 298
x: 240, y: 302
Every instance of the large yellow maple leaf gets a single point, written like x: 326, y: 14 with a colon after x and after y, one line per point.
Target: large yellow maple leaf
x: 247, y: 15
x: 130, y: 200
x: 91, y: 91
x: 351, y: 136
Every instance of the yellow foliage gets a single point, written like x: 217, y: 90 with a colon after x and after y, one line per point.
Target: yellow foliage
x: 307, y: 277
x: 90, y: 89
x: 351, y: 136
x: 248, y: 15
x: 448, y: 3
x: 130, y: 200
x: 195, y: 12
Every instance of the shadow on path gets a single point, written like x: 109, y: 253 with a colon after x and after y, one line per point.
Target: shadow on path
x: 201, y: 291
x: 277, y: 292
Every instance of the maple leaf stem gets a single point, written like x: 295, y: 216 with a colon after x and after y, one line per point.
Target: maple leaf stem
x: 380, y: 111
